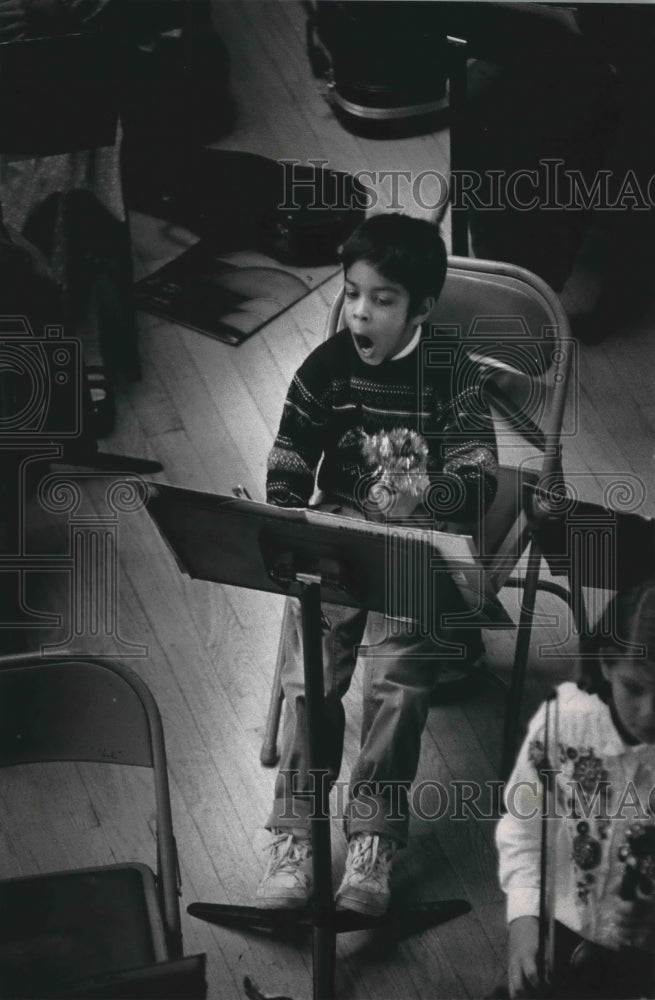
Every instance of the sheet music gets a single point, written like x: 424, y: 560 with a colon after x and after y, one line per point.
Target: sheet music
x: 392, y: 568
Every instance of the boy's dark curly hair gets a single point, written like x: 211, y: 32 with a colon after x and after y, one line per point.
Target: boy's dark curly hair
x: 625, y: 629
x: 405, y: 250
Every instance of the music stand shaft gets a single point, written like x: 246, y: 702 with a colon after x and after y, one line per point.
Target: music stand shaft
x: 323, y: 931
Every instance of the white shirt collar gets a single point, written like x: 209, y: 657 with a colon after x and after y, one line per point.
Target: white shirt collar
x: 416, y: 336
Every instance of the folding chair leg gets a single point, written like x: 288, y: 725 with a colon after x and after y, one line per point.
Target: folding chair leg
x: 578, y: 606
x: 269, y: 755
x: 459, y: 139
x: 522, y: 652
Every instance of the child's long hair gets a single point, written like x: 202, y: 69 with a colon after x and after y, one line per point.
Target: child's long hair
x: 625, y: 629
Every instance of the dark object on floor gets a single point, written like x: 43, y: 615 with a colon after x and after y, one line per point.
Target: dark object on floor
x: 524, y: 132
x: 57, y: 94
x: 297, y: 213
x: 253, y: 991
x: 93, y: 251
x: 529, y: 141
x: 625, y: 296
x: 228, y: 297
x: 384, y: 63
x: 621, y: 264
x: 44, y: 397
x: 101, y: 414
x: 175, y: 69
x: 535, y: 136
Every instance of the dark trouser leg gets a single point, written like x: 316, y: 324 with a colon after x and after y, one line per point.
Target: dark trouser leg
x: 401, y: 665
x: 293, y: 801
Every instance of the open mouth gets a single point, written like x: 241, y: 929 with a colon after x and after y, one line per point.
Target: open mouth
x: 364, y: 343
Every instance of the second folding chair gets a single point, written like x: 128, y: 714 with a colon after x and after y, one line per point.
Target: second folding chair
x: 112, y: 930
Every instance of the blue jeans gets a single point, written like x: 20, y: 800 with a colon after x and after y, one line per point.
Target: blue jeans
x: 401, y: 664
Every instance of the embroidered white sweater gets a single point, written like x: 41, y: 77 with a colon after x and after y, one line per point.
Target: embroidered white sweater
x: 603, y: 787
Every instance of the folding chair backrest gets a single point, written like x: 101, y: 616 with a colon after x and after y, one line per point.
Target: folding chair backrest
x: 510, y: 325
x: 72, y: 710
x: 477, y: 289
x: 58, y: 709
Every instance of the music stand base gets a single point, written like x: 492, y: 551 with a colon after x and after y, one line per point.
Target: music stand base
x: 406, y: 920
x: 412, y: 919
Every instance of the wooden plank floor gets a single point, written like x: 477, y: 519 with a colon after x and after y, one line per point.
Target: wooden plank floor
x: 209, y: 412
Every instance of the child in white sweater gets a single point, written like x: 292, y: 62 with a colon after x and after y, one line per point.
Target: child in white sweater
x: 601, y: 766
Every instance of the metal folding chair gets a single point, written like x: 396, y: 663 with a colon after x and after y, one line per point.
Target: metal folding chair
x: 88, y: 925
x: 509, y: 326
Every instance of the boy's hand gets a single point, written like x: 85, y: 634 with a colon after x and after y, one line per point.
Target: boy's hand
x: 523, y: 946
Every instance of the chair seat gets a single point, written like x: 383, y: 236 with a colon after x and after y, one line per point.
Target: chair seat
x: 181, y: 979
x: 66, y: 926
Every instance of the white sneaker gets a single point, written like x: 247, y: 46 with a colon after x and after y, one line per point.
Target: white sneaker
x: 287, y: 882
x: 365, y: 886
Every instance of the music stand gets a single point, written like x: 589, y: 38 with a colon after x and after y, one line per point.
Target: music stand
x: 314, y: 556
x: 594, y: 547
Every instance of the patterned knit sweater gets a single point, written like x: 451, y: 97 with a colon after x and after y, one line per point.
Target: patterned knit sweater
x: 335, y: 400
x: 603, y: 787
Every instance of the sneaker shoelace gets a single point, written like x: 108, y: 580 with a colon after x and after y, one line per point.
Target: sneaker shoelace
x: 287, y: 853
x: 371, y: 857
